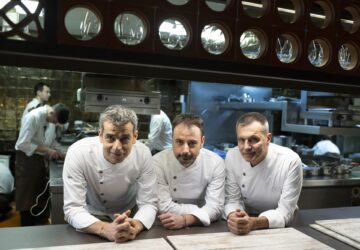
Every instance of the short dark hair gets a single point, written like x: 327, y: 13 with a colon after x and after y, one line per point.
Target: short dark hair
x: 189, y: 120
x: 39, y: 87
x: 251, y: 117
x: 61, y: 113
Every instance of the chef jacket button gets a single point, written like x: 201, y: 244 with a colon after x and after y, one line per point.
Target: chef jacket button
x: 243, y: 185
x: 100, y: 172
x: 244, y: 174
x: 244, y: 198
x: 174, y: 189
x: 104, y: 201
x: 176, y: 201
x: 102, y: 194
x: 101, y: 182
x: 174, y: 177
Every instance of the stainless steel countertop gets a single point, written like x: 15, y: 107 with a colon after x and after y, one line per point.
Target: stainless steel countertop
x: 352, y: 179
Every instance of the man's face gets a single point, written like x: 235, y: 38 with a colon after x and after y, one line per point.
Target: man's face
x: 44, y: 95
x: 253, y: 143
x: 117, y: 141
x: 187, y: 142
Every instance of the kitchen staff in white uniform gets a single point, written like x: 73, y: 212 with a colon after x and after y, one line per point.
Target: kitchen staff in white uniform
x: 42, y: 95
x: 160, y: 133
x: 262, y: 179
x: 190, y: 178
x: 110, y: 174
x: 30, y: 172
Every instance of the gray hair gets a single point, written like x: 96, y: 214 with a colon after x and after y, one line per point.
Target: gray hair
x: 119, y: 116
x: 248, y: 118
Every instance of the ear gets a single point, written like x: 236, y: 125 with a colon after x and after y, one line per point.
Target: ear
x: 268, y: 137
x: 202, y: 140
x: 136, y: 133
x: 100, y: 133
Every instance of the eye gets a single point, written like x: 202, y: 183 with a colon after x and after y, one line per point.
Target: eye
x: 241, y: 140
x: 125, y: 139
x: 179, y: 142
x: 192, y: 144
x: 110, y: 138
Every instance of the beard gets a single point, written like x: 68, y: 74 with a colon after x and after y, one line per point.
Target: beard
x: 186, y: 159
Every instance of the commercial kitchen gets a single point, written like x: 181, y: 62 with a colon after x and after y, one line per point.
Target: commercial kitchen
x: 296, y: 62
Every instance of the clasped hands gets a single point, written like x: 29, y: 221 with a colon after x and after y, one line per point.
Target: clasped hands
x: 123, y: 228
x: 239, y: 222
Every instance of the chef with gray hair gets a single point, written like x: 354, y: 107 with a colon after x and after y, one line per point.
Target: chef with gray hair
x: 108, y: 178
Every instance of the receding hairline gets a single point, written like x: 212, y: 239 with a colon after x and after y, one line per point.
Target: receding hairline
x: 251, y: 117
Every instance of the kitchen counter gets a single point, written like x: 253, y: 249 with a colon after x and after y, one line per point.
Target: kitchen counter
x: 352, y: 179
x: 58, y: 235
x: 317, y: 192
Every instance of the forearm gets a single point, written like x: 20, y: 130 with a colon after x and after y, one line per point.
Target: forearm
x: 99, y: 228
x: 259, y: 223
x: 190, y: 220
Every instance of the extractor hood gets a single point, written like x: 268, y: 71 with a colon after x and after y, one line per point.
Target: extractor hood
x: 100, y: 91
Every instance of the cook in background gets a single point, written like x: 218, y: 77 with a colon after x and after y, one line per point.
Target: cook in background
x: 108, y: 175
x: 6, y: 190
x: 30, y: 171
x: 160, y: 133
x: 190, y: 178
x: 263, y: 180
x: 42, y: 95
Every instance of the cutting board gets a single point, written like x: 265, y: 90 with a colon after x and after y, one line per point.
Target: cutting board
x: 346, y: 230
x: 283, y: 238
x: 149, y: 244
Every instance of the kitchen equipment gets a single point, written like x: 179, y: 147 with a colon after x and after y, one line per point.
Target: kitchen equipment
x: 312, y: 170
x: 143, y: 103
x: 283, y: 140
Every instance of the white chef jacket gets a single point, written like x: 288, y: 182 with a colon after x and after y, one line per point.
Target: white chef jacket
x: 6, y: 179
x: 92, y: 185
x: 160, y: 134
x: 32, y: 131
x: 197, y: 189
x: 271, y: 188
x: 29, y: 107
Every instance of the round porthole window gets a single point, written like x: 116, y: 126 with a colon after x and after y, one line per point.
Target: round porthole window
x: 214, y: 39
x: 287, y: 48
x: 130, y: 29
x: 178, y: 2
x: 252, y: 43
x: 289, y: 10
x: 82, y: 23
x: 348, y: 56
x: 174, y: 34
x: 217, y: 5
x: 255, y: 8
x: 350, y: 19
x: 318, y: 53
x: 321, y: 14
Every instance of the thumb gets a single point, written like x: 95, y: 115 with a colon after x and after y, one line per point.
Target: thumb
x: 120, y: 218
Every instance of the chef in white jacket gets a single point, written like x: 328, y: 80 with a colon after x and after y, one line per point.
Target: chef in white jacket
x: 42, y: 95
x: 107, y: 176
x: 190, y: 178
x: 30, y: 171
x: 263, y: 180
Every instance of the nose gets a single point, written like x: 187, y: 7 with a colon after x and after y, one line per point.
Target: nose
x: 247, y: 145
x: 185, y: 148
x: 117, y: 145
